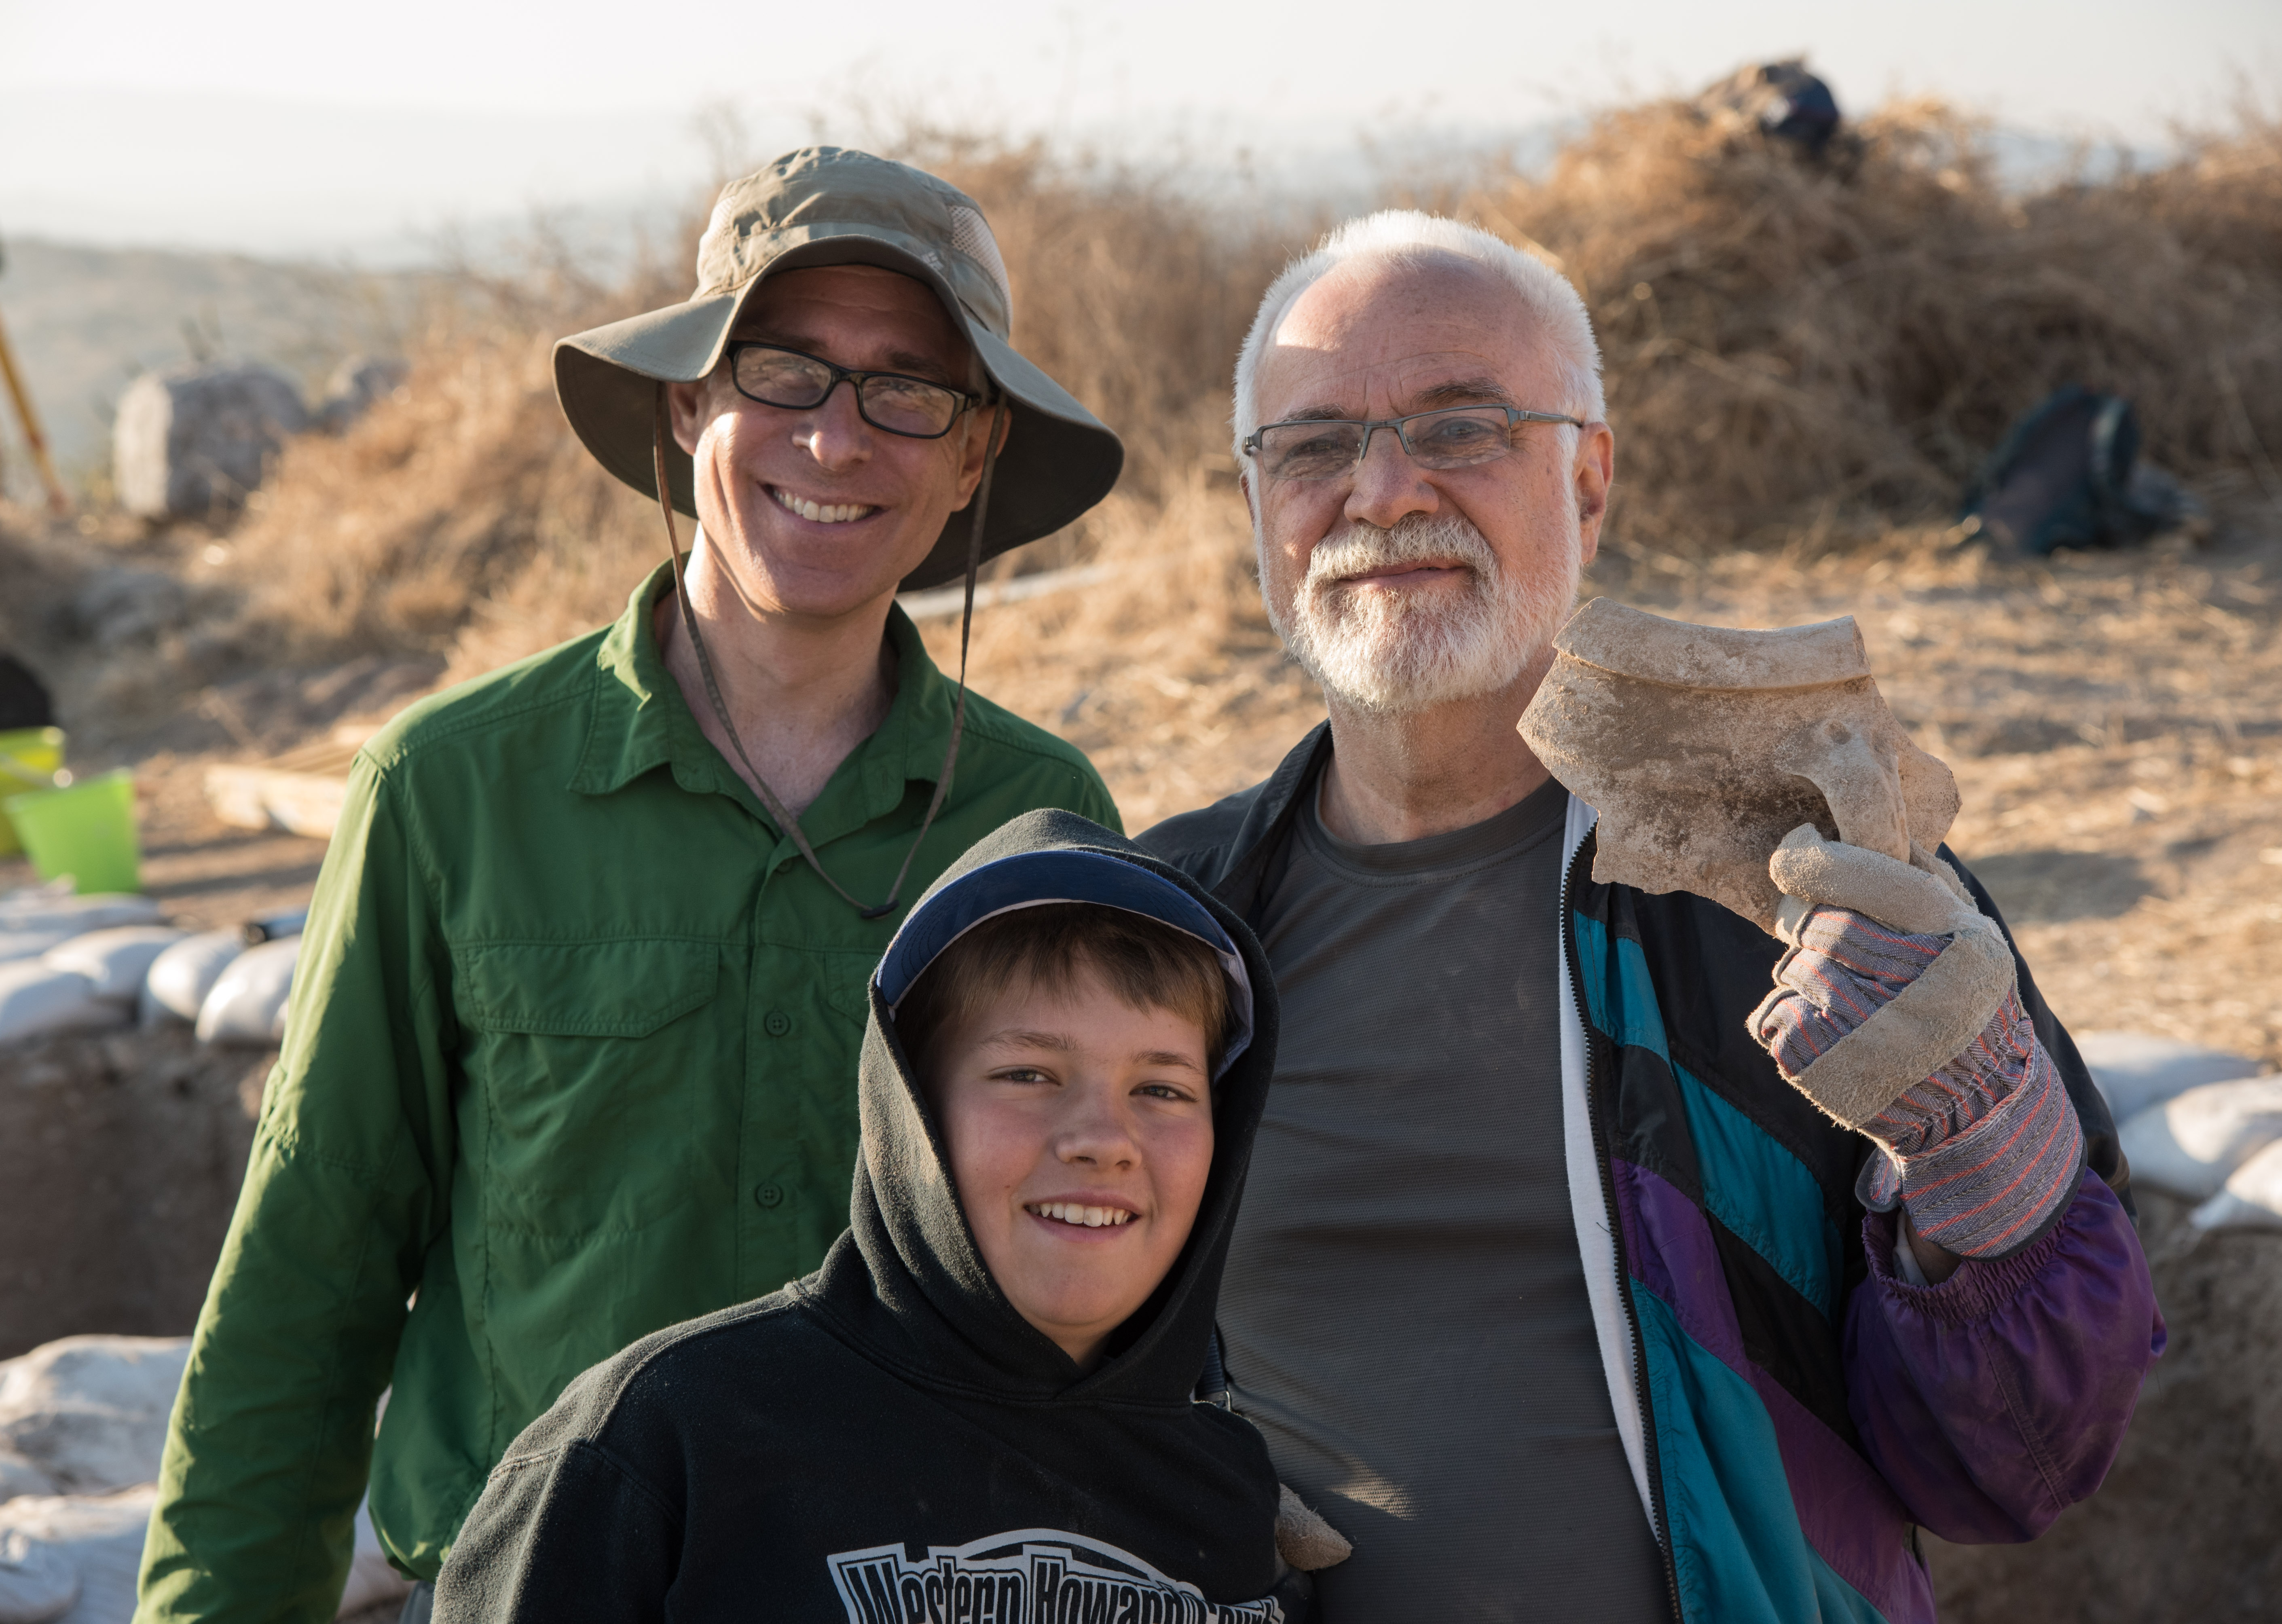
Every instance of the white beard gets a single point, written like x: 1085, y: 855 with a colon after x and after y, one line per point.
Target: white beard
x: 1399, y: 652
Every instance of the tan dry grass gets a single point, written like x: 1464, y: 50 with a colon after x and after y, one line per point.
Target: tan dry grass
x: 1793, y: 344
x: 467, y: 518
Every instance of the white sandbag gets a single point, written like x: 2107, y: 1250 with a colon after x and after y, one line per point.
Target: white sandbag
x: 90, y: 1411
x: 2253, y: 1196
x: 100, y: 1536
x: 247, y: 1004
x: 2188, y: 1144
x: 36, y: 918
x: 38, y: 1582
x: 116, y: 959
x: 54, y: 907
x: 2136, y: 1069
x: 181, y: 977
x: 17, y: 945
x: 18, y: 1476
x: 38, y: 1002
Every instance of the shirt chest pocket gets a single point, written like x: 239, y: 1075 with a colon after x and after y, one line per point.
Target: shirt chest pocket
x: 597, y: 1075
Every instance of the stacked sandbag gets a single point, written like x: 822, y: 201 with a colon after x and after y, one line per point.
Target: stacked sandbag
x: 38, y: 1001
x: 89, y: 1413
x: 182, y: 977
x: 2136, y: 1069
x: 2197, y: 1125
x: 79, y: 1555
x: 37, y: 918
x: 37, y: 1582
x: 83, y: 1423
x: 115, y: 962
x: 247, y: 1005
x: 2251, y: 1198
x: 87, y: 964
x: 2190, y: 1144
x: 42, y: 995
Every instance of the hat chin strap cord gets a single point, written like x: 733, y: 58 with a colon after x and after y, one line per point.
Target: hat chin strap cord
x: 775, y: 808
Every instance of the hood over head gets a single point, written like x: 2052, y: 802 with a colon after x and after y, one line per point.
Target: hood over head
x: 909, y: 1280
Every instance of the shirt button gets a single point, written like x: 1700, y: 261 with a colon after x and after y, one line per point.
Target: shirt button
x: 776, y: 1023
x: 769, y: 1195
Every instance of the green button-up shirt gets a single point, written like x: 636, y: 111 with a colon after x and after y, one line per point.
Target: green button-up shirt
x: 570, y: 1056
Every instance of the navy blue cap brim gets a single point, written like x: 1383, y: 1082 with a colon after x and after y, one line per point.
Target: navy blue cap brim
x: 1032, y: 878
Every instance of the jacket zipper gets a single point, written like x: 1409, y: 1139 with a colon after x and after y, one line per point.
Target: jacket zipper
x: 1595, y: 1115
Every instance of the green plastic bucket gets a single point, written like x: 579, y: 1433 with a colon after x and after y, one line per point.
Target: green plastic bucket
x: 30, y: 759
x: 86, y: 831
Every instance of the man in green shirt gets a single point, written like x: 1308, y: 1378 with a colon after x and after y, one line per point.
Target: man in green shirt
x: 572, y: 1048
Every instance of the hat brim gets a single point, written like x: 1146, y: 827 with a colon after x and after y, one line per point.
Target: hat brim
x: 1058, y: 461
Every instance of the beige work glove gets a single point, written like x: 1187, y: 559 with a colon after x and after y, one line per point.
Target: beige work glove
x: 1303, y: 1538
x: 1895, y: 1013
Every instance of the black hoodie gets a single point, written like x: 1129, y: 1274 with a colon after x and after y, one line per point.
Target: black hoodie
x: 887, y: 1442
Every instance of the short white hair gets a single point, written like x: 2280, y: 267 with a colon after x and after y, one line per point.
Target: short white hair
x: 1409, y: 237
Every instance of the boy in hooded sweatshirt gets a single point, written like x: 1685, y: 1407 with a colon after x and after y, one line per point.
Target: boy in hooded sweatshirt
x: 979, y: 1410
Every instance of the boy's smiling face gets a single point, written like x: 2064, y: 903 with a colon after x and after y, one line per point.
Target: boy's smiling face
x: 1080, y: 1134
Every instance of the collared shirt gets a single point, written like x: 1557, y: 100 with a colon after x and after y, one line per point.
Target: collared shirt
x: 570, y: 1056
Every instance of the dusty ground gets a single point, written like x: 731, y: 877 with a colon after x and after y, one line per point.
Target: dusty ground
x: 122, y: 1159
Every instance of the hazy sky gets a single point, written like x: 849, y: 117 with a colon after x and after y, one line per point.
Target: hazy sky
x: 285, y: 126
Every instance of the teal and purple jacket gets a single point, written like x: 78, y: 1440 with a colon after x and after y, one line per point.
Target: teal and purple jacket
x: 1792, y: 1411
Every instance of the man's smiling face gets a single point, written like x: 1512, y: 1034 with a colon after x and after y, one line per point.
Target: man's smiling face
x: 1400, y: 586
x: 817, y: 513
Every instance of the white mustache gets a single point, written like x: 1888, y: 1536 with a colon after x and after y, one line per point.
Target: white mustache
x: 1416, y: 538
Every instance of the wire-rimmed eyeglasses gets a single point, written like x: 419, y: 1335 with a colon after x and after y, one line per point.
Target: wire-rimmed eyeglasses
x: 1454, y: 436
x: 894, y: 401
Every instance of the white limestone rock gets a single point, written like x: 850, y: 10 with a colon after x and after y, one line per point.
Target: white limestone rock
x: 196, y: 438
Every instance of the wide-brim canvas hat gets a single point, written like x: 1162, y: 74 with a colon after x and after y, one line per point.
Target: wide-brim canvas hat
x: 831, y: 205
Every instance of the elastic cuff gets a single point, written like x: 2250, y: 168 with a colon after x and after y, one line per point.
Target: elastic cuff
x: 1981, y: 1286
x: 1990, y: 1191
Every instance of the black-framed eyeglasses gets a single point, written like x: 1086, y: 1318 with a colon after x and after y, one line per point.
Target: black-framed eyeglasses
x: 899, y: 404
x: 1454, y: 436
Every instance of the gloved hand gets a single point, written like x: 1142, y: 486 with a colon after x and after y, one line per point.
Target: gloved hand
x: 1895, y: 1011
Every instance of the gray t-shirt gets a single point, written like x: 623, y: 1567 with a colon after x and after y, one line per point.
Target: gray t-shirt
x: 1404, y: 1313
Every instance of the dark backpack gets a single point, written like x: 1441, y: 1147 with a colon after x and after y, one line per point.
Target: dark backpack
x: 1783, y: 99
x: 2063, y: 477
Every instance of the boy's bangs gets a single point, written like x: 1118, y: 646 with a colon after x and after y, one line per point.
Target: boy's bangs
x: 1038, y: 879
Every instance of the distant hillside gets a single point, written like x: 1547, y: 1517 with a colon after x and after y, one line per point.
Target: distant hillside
x: 85, y: 321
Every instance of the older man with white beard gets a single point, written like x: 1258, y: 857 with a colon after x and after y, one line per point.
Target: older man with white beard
x: 1555, y: 1287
